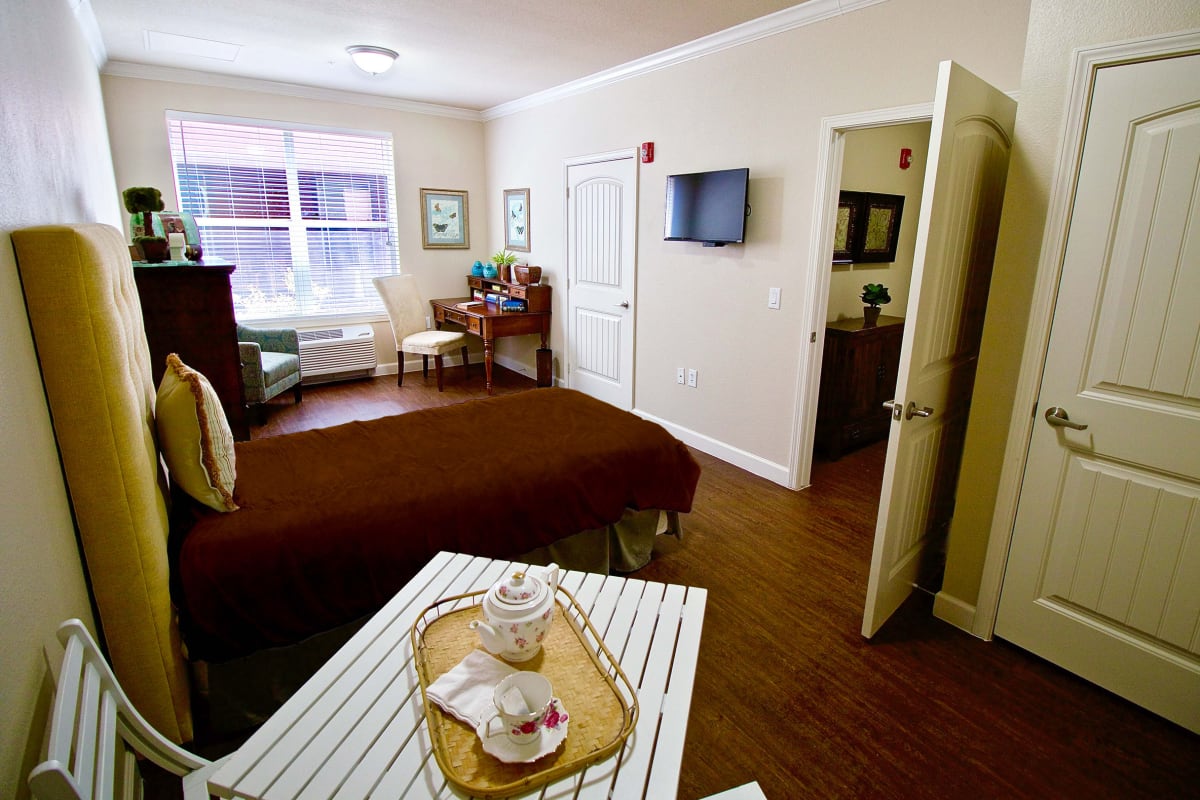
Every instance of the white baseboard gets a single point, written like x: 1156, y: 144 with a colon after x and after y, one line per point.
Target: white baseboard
x: 777, y: 473
x: 414, y: 364
x: 519, y: 367
x: 950, y: 609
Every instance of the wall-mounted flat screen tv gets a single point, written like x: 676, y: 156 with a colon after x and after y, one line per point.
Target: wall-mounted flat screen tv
x: 708, y: 207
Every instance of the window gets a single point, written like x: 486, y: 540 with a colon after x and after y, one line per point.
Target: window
x: 307, y: 214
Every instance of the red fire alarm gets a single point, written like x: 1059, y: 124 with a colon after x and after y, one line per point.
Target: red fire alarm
x: 647, y: 152
x: 905, y: 157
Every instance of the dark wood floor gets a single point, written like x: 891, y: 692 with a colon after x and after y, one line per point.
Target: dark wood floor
x: 333, y: 403
x: 789, y: 694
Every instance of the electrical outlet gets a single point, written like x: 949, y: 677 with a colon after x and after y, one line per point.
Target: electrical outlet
x: 691, y: 378
x: 773, y: 298
x: 679, y: 376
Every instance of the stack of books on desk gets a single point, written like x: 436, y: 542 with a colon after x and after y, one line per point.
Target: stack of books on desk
x: 469, y: 304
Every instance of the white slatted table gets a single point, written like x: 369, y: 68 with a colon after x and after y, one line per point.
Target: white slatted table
x: 356, y: 729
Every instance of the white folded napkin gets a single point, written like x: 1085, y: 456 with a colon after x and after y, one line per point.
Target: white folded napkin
x: 465, y: 692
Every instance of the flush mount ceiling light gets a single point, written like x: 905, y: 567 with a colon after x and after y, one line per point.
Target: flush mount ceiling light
x: 374, y: 60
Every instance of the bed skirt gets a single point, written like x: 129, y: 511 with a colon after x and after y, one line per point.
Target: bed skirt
x: 236, y: 696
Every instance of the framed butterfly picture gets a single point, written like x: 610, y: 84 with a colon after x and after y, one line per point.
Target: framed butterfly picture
x: 444, y: 219
x: 516, y: 219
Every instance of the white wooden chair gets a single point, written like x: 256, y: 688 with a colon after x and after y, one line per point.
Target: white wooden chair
x: 96, y: 735
x: 408, y: 312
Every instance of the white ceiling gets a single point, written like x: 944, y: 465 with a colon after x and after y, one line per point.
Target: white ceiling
x: 471, y: 54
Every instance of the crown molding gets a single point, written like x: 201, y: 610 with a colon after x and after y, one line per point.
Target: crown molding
x: 782, y: 21
x: 779, y: 22
x: 127, y: 69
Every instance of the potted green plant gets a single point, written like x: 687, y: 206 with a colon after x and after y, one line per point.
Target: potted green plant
x: 144, y: 201
x: 504, y: 261
x: 873, y: 294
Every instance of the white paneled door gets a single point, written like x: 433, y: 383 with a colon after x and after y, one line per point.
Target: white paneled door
x: 601, y: 249
x: 952, y: 266
x: 1103, y: 575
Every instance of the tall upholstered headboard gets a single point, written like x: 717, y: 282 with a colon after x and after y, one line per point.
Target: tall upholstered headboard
x: 87, y: 326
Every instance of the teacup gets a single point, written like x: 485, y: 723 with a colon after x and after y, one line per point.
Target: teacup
x: 521, y: 701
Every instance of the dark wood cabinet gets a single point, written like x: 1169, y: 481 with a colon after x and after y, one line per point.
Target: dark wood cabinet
x: 188, y: 309
x: 858, y: 373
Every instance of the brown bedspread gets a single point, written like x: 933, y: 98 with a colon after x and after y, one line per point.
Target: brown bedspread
x: 334, y: 521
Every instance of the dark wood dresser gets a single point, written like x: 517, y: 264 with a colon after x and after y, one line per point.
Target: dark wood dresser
x: 188, y: 309
x: 858, y: 373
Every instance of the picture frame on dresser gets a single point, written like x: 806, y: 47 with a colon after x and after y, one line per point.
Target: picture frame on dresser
x: 444, y: 219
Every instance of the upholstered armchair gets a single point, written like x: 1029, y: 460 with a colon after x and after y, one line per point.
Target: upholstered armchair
x: 270, y: 362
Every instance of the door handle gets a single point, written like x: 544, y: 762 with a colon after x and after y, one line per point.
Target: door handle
x: 908, y: 412
x: 1058, y: 418
x: 912, y: 411
x: 622, y: 305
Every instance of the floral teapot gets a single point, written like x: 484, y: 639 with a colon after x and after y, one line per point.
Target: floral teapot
x: 517, y: 613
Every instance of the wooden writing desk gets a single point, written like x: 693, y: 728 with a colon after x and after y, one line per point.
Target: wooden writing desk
x: 486, y: 322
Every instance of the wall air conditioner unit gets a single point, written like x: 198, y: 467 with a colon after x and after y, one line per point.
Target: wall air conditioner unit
x: 331, y: 354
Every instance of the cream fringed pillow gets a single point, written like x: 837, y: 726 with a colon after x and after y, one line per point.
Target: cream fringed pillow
x: 194, y: 436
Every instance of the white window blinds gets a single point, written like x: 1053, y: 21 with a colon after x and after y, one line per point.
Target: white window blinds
x: 307, y: 214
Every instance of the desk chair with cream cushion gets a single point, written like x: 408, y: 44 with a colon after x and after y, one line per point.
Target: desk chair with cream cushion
x: 270, y: 362
x: 96, y: 735
x: 408, y: 314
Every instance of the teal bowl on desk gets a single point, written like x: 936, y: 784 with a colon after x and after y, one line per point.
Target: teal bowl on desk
x: 489, y: 270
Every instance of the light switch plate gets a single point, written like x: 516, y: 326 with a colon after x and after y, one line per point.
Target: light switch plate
x: 691, y: 378
x: 773, y: 297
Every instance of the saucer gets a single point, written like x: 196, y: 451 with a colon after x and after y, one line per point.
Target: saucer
x: 508, y: 751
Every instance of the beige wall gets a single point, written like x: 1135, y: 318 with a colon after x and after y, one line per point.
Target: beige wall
x: 1056, y: 27
x: 758, y: 105
x: 55, y: 168
x: 436, y: 152
x: 871, y: 163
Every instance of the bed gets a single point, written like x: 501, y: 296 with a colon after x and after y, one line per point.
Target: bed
x: 330, y: 522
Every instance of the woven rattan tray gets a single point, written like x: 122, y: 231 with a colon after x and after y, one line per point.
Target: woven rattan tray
x: 600, y: 700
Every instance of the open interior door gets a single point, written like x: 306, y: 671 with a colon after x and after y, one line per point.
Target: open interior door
x: 969, y: 145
